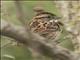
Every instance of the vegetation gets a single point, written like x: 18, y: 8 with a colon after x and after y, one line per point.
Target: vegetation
x: 12, y: 50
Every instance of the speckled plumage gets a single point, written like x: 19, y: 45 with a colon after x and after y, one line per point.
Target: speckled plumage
x: 46, y: 24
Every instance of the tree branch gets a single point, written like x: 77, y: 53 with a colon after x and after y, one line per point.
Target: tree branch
x: 36, y: 42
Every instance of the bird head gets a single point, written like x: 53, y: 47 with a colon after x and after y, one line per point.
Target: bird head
x: 38, y: 10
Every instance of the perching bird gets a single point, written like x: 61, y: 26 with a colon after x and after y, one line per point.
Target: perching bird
x: 45, y: 24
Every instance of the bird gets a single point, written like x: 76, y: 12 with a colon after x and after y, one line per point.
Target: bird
x: 46, y: 24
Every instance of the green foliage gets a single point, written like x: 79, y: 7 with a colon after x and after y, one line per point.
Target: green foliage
x: 11, y: 51
x: 9, y: 9
x: 65, y: 40
x: 8, y: 12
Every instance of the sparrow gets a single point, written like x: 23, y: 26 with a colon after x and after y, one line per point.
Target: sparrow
x: 46, y: 24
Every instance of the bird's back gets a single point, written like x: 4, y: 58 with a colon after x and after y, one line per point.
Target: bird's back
x: 45, y: 25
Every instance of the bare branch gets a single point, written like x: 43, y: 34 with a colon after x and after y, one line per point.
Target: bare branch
x: 36, y: 42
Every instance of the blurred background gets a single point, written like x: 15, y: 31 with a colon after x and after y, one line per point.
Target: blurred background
x: 70, y: 37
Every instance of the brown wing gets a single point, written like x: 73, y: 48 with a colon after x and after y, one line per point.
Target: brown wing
x: 44, y: 26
